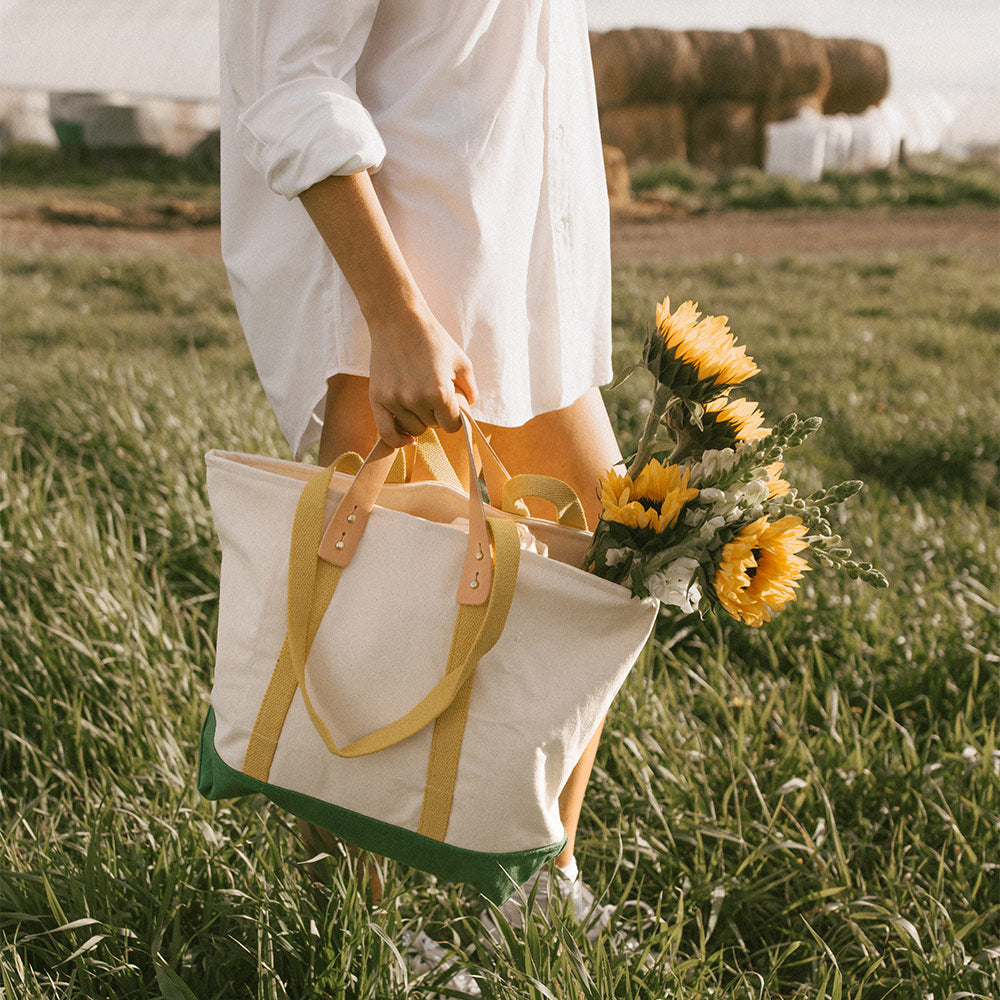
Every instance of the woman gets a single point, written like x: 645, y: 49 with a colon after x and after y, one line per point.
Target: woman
x: 414, y: 210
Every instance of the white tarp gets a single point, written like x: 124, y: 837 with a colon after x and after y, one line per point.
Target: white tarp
x: 926, y: 118
x: 805, y: 146
x: 154, y: 48
x: 796, y: 148
x: 875, y: 140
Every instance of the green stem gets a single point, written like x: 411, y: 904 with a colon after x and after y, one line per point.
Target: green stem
x: 681, y: 449
x: 647, y: 441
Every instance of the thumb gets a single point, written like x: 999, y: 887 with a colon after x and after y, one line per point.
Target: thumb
x: 465, y: 381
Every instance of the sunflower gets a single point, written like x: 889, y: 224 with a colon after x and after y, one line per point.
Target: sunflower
x: 695, y: 357
x: 653, y: 500
x: 776, y: 487
x: 759, y: 570
x: 741, y: 419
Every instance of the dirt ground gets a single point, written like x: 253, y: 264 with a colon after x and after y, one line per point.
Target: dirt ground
x: 639, y: 233
x: 774, y: 234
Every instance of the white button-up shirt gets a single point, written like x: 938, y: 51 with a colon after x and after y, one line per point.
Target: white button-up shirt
x: 480, y: 122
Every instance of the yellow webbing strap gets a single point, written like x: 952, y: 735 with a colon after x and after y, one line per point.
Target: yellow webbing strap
x: 349, y: 462
x: 311, y: 583
x: 399, y: 471
x: 283, y: 684
x: 561, y: 495
x: 442, y: 765
x: 446, y: 744
x: 432, y: 453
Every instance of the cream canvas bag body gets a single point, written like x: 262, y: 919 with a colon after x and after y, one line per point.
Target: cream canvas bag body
x: 394, y: 666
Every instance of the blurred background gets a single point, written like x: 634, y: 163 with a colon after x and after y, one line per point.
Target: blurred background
x: 851, y: 86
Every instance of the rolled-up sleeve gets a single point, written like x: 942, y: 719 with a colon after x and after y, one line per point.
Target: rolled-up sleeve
x: 290, y: 66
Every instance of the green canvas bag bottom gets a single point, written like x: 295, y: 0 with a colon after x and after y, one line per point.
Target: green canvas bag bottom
x: 496, y: 876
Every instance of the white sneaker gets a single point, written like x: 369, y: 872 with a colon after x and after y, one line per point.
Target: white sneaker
x: 548, y: 890
x: 423, y: 954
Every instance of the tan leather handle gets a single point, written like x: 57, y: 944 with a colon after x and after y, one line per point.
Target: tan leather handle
x: 341, y: 538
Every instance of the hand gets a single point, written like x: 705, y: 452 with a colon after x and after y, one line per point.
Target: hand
x: 417, y: 372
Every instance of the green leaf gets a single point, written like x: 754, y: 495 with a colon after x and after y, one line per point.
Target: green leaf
x: 172, y: 987
x: 88, y: 945
x: 623, y: 376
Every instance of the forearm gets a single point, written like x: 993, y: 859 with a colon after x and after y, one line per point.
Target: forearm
x: 416, y: 368
x: 349, y: 216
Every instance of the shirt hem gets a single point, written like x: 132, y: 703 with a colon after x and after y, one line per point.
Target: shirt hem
x: 311, y: 427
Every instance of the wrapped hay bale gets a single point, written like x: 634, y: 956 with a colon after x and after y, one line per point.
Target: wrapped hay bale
x: 792, y: 63
x: 730, y: 69
x: 796, y: 148
x: 646, y: 131
x: 785, y: 108
x: 616, y: 174
x: 860, y: 75
x: 723, y: 135
x: 644, y: 65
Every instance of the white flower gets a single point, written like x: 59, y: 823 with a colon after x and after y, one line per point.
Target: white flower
x: 615, y: 556
x: 712, y: 495
x: 711, y: 528
x: 713, y: 464
x: 675, y: 585
x: 693, y: 516
x: 755, y: 492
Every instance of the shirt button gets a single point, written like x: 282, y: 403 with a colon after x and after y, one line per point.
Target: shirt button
x: 561, y: 131
x: 563, y: 224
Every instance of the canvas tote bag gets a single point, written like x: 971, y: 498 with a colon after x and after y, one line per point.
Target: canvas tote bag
x: 393, y: 667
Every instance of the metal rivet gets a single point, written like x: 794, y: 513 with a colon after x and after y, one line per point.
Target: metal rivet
x: 351, y: 518
x: 473, y: 585
x: 479, y: 555
x: 339, y: 545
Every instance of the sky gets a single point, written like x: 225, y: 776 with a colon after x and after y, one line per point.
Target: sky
x: 946, y: 45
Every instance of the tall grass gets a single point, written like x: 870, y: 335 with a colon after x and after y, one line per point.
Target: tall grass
x: 809, y: 810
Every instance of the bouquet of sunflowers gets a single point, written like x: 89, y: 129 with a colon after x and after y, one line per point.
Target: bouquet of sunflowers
x: 702, y: 513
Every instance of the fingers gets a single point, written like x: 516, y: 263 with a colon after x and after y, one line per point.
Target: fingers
x: 385, y: 425
x: 447, y: 413
x: 405, y: 401
x: 404, y: 420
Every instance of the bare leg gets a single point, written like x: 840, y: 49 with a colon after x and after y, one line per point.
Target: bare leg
x: 317, y: 839
x: 575, y: 444
x: 348, y: 424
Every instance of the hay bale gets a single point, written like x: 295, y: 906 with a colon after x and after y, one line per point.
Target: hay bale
x: 644, y: 65
x: 610, y: 55
x: 646, y: 131
x: 616, y: 174
x: 860, y: 75
x: 723, y: 135
x: 792, y: 63
x: 730, y: 69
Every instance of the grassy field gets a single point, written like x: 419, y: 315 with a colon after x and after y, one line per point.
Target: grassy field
x: 811, y: 810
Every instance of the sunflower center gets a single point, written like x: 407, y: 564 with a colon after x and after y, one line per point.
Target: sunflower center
x: 649, y: 503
